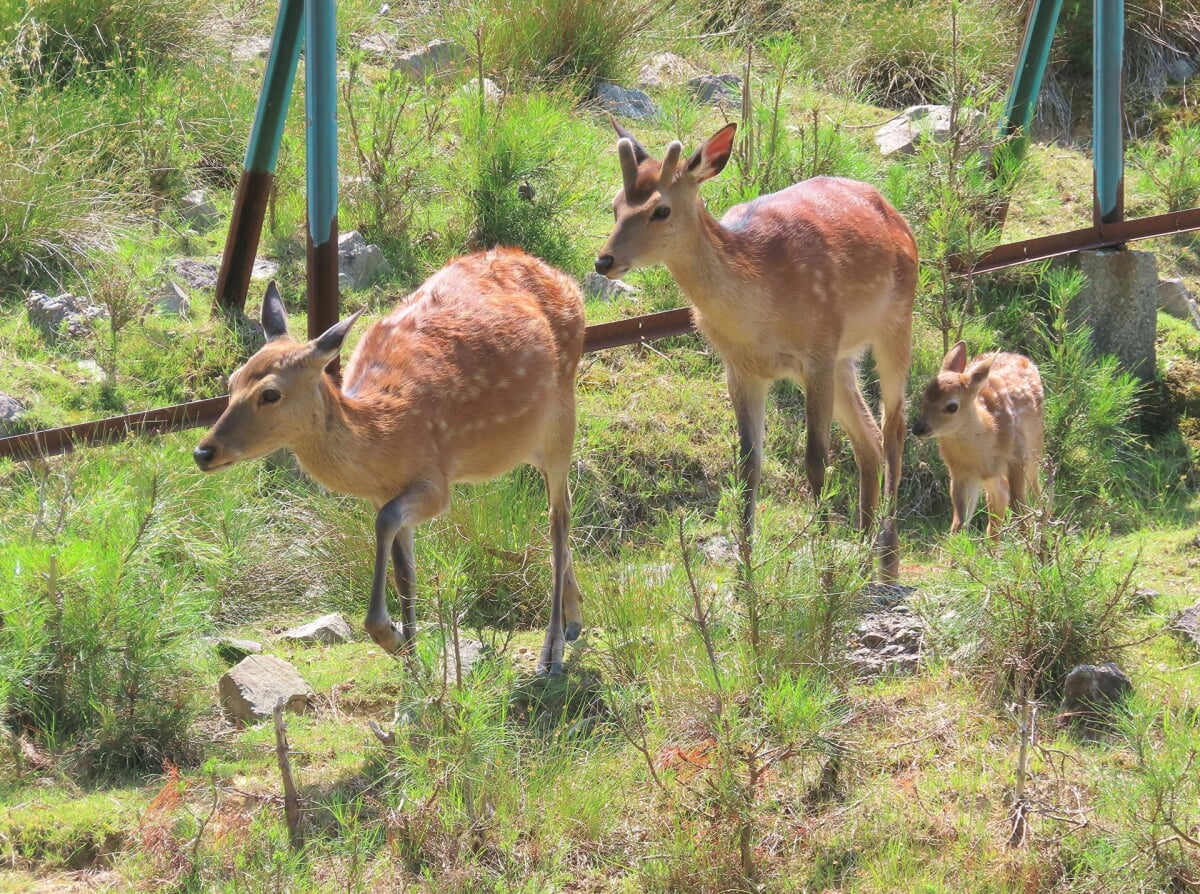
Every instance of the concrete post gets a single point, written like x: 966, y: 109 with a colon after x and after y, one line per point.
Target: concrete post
x: 1119, y: 300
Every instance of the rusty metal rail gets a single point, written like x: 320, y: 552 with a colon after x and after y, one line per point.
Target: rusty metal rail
x: 633, y: 330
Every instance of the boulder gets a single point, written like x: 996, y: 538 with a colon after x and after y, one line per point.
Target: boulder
x: 1186, y: 625
x: 1177, y: 299
x: 664, y: 70
x: 1091, y: 692
x: 11, y: 411
x: 358, y: 262
x: 232, y: 650
x: 716, y: 89
x: 1180, y: 69
x: 196, y: 208
x: 62, y: 315
x: 251, y: 689
x: 597, y: 285
x: 437, y: 60
x: 173, y: 300
x: 327, y: 629
x: 624, y: 102
x: 491, y: 90
x: 905, y: 132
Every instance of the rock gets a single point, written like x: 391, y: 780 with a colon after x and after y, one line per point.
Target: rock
x: 251, y: 47
x: 92, y: 370
x: 251, y: 689
x: 233, y: 650
x: 716, y: 88
x: 1180, y: 69
x: 196, y: 275
x: 1186, y: 625
x: 173, y: 300
x: 11, y: 411
x: 664, y: 70
x: 906, y: 131
x: 624, y: 102
x: 718, y: 548
x: 262, y: 269
x: 1176, y: 299
x: 889, y: 638
x: 196, y: 208
x: 437, y: 60
x: 491, y: 90
x: 597, y: 285
x: 63, y: 315
x: 1090, y: 692
x: 469, y: 653
x: 879, y: 595
x: 358, y: 262
x: 327, y: 629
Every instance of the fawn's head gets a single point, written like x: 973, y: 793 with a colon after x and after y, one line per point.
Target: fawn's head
x: 275, y: 396
x: 949, y: 398
x: 655, y: 209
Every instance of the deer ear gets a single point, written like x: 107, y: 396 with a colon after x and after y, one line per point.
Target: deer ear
x: 980, y: 370
x: 710, y: 159
x: 328, y: 344
x: 274, y: 317
x: 956, y: 358
x: 639, y: 154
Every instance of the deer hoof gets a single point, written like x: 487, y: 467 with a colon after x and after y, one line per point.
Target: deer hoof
x: 553, y: 669
x: 390, y: 638
x: 572, y: 631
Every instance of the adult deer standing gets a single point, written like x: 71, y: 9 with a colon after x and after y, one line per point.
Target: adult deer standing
x: 987, y: 417
x: 469, y: 377
x: 795, y: 285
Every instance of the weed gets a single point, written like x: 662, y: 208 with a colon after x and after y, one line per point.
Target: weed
x: 1171, y: 168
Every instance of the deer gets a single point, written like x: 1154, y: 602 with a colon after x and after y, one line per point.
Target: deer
x: 470, y: 376
x: 987, y: 417
x: 795, y: 284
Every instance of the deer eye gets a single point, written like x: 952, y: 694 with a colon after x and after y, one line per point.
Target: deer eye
x: 952, y: 407
x: 269, y: 396
x: 662, y: 212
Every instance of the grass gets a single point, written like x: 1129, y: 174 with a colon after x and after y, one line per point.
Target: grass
x: 710, y: 734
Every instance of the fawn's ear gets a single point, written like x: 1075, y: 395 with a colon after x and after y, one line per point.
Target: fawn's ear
x: 328, y: 344
x: 639, y: 154
x: 955, y: 360
x: 979, y: 370
x: 710, y: 159
x: 274, y: 317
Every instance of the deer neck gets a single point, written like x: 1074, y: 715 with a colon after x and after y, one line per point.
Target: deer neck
x: 714, y: 268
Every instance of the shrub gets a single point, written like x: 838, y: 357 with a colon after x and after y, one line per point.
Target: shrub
x: 1170, y: 170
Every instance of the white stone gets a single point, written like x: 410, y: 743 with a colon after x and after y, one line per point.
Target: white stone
x: 359, y: 262
x: 252, y: 688
x: 491, y: 90
x: 664, y: 70
x: 438, y: 59
x: 596, y: 285
x: 196, y: 208
x: 172, y: 299
x: 64, y: 314
x: 904, y: 133
x: 1176, y: 299
x: 327, y: 629
x: 11, y: 411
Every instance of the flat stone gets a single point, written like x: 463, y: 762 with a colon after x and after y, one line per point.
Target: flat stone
x: 437, y: 60
x: 624, y: 102
x: 327, y: 629
x: 716, y: 89
x: 196, y: 208
x: 11, y: 411
x: 173, y: 300
x: 1177, y: 299
x: 263, y: 269
x: 64, y: 315
x: 233, y: 650
x: 196, y: 275
x: 597, y: 285
x: 904, y: 133
x: 250, y: 690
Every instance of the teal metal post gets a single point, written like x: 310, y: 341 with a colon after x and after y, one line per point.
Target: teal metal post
x: 322, y: 163
x: 1031, y: 66
x: 254, y: 189
x: 1108, y: 28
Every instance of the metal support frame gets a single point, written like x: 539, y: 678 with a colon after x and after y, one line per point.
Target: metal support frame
x: 1108, y: 147
x: 1031, y: 66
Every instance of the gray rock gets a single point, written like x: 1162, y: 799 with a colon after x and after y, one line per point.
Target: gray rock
x: 890, y: 638
x: 1180, y: 70
x: 251, y: 47
x: 904, y: 133
x: 716, y: 89
x: 11, y: 411
x: 1091, y: 692
x: 251, y: 689
x: 718, y: 548
x: 233, y: 650
x: 327, y: 629
x: 173, y: 300
x: 491, y: 90
x: 597, y: 285
x: 664, y: 70
x: 358, y: 262
x: 63, y: 315
x: 91, y: 370
x: 469, y: 653
x: 437, y: 60
x: 196, y: 275
x: 1186, y: 625
x: 624, y: 102
x: 1177, y: 299
x: 263, y: 269
x: 196, y: 208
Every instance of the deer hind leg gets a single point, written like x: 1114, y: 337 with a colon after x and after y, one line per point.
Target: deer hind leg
x: 405, y: 571
x: 892, y: 359
x: 820, y: 393
x: 419, y: 503
x: 997, y: 500
x: 566, y: 613
x: 749, y: 397
x: 855, y: 418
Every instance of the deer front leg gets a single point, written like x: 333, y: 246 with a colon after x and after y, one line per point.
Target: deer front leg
x: 997, y: 501
x: 417, y: 504
x: 404, y: 568
x: 964, y: 495
x: 749, y: 397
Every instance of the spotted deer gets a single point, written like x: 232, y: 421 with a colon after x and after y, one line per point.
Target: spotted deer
x: 987, y: 419
x: 470, y: 376
x: 795, y: 284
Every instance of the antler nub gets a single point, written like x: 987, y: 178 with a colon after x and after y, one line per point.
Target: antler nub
x: 670, y: 163
x: 629, y: 165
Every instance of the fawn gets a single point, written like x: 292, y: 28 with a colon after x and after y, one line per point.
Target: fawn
x: 987, y: 417
x: 472, y: 375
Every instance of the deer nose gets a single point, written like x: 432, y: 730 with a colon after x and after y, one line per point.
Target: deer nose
x: 920, y: 428
x: 604, y: 263
x: 203, y: 455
